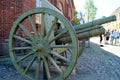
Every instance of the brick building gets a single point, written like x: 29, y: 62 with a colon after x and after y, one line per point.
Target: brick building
x: 66, y: 6
x: 115, y: 24
x: 11, y: 9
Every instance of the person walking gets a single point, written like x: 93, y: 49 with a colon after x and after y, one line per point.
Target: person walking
x: 119, y: 37
x: 111, y: 37
x: 101, y: 38
x: 115, y: 36
x: 107, y: 35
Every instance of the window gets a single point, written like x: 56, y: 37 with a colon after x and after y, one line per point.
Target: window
x: 38, y: 3
x: 60, y: 6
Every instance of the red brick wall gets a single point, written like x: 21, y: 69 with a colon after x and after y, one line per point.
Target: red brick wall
x: 67, y: 6
x: 28, y: 4
x: 9, y: 11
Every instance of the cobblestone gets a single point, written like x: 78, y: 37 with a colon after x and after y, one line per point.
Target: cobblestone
x: 96, y: 63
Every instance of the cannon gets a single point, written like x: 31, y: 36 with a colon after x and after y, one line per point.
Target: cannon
x: 49, y: 49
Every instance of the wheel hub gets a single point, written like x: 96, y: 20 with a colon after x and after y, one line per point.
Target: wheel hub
x: 41, y: 48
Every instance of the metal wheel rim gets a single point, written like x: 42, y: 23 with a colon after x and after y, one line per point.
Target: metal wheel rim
x: 70, y: 30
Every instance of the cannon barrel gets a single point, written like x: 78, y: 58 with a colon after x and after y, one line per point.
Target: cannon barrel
x: 87, y: 30
x: 84, y: 34
x: 90, y: 24
x: 95, y: 22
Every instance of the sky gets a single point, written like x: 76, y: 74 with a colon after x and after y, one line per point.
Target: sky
x: 104, y: 7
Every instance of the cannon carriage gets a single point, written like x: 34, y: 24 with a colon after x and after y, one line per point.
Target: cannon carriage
x: 49, y: 50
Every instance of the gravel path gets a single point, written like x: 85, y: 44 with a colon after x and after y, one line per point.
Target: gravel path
x: 8, y: 72
x: 94, y: 64
x: 97, y: 64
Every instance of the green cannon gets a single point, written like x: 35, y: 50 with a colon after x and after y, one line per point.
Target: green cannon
x: 90, y: 29
x: 49, y: 49
x: 44, y: 50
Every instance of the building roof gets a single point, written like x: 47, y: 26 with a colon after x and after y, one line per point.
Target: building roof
x: 116, y: 11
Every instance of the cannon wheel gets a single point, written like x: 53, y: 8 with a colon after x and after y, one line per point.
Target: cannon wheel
x: 33, y: 55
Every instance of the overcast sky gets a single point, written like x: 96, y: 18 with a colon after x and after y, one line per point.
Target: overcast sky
x: 105, y: 7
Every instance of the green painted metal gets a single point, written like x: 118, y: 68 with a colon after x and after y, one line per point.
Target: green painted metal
x: 4, y: 58
x: 41, y: 47
x: 40, y: 52
x: 91, y: 33
x: 84, y: 34
x: 95, y: 22
x: 7, y: 58
x: 92, y: 24
x: 47, y: 4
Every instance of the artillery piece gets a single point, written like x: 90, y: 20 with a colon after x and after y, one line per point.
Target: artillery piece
x: 40, y: 52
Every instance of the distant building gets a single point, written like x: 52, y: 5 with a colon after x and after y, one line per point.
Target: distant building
x: 115, y: 24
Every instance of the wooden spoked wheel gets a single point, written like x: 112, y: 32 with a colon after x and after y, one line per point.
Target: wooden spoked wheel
x: 33, y: 48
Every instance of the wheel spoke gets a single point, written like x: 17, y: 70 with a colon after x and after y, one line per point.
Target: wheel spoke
x: 46, y: 68
x: 33, y: 26
x: 51, y: 28
x: 24, y: 57
x: 22, y: 39
x: 54, y: 63
x: 21, y: 48
x: 38, y: 70
x: 30, y: 64
x: 56, y: 37
x: 68, y: 54
x: 26, y: 31
x: 69, y: 51
x: 42, y: 29
x: 59, y: 56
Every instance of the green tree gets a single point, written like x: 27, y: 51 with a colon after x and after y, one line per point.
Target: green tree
x: 90, y: 10
x: 75, y: 19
